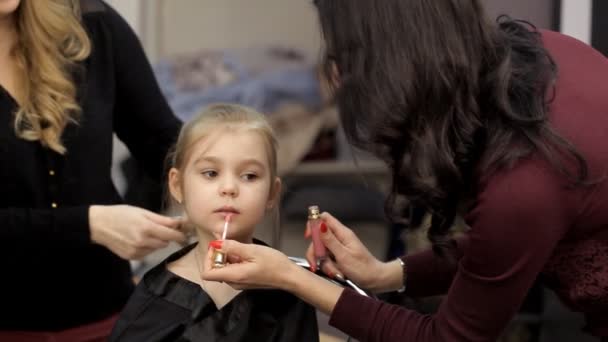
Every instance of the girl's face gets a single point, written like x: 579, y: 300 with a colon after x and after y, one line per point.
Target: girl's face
x: 226, y: 172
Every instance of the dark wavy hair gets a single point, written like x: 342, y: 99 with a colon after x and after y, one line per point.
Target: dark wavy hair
x: 442, y: 94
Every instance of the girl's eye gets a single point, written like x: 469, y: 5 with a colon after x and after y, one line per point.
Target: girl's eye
x: 209, y: 174
x: 249, y: 176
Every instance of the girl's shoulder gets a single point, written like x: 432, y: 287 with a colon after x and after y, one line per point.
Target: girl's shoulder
x: 165, y: 272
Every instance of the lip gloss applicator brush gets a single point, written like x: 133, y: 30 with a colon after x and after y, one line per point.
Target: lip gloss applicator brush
x: 219, y: 257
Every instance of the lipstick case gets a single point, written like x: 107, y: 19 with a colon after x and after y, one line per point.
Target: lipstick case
x: 219, y: 259
x: 314, y: 223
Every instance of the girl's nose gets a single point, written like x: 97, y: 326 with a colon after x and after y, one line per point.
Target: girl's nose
x: 229, y: 188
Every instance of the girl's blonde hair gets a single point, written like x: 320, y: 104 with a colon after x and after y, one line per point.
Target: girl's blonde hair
x: 230, y: 116
x: 51, y: 41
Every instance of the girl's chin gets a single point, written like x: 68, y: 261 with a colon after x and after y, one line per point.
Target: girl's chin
x: 218, y: 236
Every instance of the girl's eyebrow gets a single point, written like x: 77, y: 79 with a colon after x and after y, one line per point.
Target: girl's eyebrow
x: 207, y: 159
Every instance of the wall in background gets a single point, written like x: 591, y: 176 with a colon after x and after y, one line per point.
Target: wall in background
x: 575, y: 18
x: 223, y: 24
x: 538, y: 12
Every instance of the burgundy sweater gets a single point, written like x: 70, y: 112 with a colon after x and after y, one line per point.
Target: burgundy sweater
x: 526, y: 224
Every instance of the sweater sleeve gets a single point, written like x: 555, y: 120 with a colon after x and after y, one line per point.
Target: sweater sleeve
x: 429, y: 274
x: 519, y: 218
x: 67, y: 224
x: 143, y: 119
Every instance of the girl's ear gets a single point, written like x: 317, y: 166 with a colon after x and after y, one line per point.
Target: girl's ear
x: 175, y: 185
x: 275, y: 193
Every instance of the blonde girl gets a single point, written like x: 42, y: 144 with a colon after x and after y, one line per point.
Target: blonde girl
x: 224, y: 164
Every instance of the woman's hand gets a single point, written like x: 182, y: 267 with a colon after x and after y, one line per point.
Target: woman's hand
x: 132, y: 232
x: 254, y: 266
x: 353, y: 260
x: 250, y: 266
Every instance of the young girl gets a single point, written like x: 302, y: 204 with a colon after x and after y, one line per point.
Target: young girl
x: 224, y: 164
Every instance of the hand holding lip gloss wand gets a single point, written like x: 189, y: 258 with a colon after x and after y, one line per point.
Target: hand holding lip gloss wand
x: 219, y: 257
x: 314, y: 223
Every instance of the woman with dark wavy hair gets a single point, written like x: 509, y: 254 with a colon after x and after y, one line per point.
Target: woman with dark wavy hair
x: 497, y: 122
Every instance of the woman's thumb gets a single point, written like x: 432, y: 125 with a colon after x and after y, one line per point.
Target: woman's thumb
x: 235, y: 252
x: 231, y: 247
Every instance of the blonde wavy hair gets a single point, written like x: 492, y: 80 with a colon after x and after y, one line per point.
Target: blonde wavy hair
x: 51, y: 41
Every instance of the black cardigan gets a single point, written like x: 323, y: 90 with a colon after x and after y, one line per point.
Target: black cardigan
x: 54, y: 277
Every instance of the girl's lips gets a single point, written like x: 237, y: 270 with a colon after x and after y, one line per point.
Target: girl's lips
x: 226, y: 213
x: 227, y: 210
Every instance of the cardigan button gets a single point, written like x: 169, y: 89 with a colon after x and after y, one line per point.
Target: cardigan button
x: 51, y: 172
x: 54, y: 205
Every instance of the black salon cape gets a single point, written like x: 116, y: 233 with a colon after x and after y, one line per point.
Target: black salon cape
x: 166, y: 307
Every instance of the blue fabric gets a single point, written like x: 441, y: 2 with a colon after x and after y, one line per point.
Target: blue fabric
x: 265, y: 91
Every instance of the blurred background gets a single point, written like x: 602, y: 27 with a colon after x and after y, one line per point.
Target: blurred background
x: 265, y: 54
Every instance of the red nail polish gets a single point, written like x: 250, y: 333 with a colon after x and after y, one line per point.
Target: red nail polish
x: 323, y: 228
x: 216, y: 244
x: 331, y: 275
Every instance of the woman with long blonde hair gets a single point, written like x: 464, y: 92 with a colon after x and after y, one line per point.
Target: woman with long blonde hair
x: 72, y: 73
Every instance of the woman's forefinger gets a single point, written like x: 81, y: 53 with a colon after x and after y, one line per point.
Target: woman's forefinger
x: 339, y: 230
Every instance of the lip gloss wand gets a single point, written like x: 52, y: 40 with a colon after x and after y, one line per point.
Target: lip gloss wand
x: 219, y: 257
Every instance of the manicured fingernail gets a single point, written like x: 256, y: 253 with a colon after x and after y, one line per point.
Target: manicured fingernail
x: 331, y: 275
x: 312, y: 269
x: 216, y: 244
x: 323, y: 227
